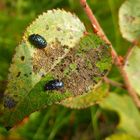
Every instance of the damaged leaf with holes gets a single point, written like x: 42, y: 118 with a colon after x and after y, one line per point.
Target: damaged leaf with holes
x: 78, y: 60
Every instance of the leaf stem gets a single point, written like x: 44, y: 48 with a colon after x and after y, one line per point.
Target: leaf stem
x: 42, y: 125
x: 96, y: 27
x: 114, y: 83
x: 95, y: 113
x: 62, y: 119
x: 98, y: 30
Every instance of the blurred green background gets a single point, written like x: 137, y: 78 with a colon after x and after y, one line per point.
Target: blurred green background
x: 57, y: 122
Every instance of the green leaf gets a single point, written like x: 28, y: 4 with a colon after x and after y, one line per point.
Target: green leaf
x: 9, y: 37
x: 129, y: 20
x: 122, y: 136
x: 132, y: 68
x: 79, y: 61
x: 127, y: 111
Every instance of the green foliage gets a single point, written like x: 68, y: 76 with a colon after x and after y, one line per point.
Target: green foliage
x: 127, y: 111
x: 48, y: 123
x: 57, y: 122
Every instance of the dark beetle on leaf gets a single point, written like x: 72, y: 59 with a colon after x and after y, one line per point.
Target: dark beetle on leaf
x: 38, y: 41
x: 54, y: 84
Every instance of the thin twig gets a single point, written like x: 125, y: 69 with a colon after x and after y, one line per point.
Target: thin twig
x: 98, y: 30
x: 96, y: 27
x: 114, y: 83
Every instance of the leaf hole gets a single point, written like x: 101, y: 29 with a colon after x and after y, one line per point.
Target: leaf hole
x: 22, y: 58
x: 18, y: 74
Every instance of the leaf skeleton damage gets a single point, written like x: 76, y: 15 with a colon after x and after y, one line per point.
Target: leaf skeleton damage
x: 40, y: 42
x: 78, y: 71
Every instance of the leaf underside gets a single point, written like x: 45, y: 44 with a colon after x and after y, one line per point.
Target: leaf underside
x: 79, y: 60
x: 129, y: 115
x: 132, y: 68
x: 129, y: 20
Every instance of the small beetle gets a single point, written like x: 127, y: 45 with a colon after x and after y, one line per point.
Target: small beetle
x: 38, y: 40
x: 54, y: 84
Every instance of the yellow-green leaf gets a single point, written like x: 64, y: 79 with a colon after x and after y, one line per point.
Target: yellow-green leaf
x: 132, y: 68
x: 129, y: 20
x: 128, y: 113
x: 121, y: 136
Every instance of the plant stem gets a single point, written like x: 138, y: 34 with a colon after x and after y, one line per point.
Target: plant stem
x: 95, y: 113
x: 62, y: 119
x: 114, y: 83
x: 42, y: 126
x: 98, y: 30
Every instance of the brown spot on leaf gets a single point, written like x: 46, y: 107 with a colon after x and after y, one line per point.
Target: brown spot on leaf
x: 85, y: 5
x: 26, y: 75
x: 127, y: 64
x: 22, y: 58
x: 47, y: 27
x: 18, y: 74
x: 71, y: 37
x: 1, y: 95
x: 129, y: 18
x: 58, y: 29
